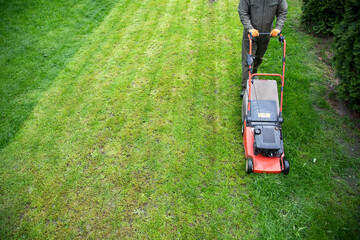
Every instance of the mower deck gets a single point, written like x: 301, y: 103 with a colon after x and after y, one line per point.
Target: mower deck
x: 260, y: 163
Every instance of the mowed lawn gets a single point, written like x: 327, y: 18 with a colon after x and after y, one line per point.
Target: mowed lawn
x: 136, y: 134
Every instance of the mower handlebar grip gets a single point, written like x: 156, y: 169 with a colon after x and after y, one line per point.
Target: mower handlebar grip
x: 281, y: 37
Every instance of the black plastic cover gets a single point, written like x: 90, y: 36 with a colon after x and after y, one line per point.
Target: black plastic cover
x: 267, y: 139
x: 264, y: 111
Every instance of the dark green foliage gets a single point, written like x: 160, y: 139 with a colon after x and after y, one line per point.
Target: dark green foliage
x: 341, y: 18
x: 322, y: 16
x: 347, y: 54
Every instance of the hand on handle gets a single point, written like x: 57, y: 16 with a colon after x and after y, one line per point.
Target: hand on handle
x: 275, y: 32
x: 254, y: 32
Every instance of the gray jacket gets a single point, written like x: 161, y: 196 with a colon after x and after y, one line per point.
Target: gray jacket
x: 260, y: 14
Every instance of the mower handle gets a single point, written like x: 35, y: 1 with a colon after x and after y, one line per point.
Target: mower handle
x: 251, y: 74
x: 281, y: 37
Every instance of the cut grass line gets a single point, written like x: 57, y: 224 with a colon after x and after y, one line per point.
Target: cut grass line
x: 79, y: 100
x: 133, y: 137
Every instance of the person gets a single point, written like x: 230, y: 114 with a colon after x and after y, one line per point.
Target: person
x: 258, y: 16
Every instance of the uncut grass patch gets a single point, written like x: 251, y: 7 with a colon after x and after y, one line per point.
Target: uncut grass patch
x: 316, y: 200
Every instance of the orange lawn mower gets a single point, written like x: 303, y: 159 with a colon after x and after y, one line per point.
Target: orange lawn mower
x: 262, y: 119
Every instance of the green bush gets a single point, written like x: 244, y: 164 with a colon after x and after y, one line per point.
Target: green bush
x: 347, y: 54
x: 322, y: 16
x: 340, y: 18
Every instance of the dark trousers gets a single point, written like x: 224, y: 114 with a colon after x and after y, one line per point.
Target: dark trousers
x: 259, y: 47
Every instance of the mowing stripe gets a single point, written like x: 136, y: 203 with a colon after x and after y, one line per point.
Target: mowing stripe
x: 139, y: 136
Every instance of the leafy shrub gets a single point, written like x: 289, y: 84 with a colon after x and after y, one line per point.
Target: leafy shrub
x: 322, y: 16
x: 347, y: 54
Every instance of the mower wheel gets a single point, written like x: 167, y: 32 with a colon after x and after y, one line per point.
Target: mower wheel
x: 242, y: 129
x: 249, y: 165
x: 286, y: 167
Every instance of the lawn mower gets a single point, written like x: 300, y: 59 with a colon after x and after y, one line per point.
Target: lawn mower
x: 262, y: 119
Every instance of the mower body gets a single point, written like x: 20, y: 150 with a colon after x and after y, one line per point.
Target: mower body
x: 262, y: 134
x: 262, y: 119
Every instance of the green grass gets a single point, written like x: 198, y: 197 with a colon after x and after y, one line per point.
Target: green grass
x: 38, y: 38
x: 136, y: 133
